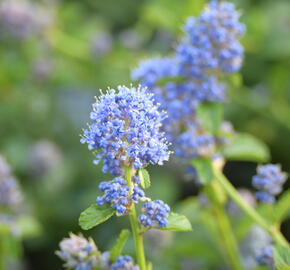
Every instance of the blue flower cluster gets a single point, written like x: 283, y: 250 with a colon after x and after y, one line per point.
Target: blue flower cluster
x: 209, y: 50
x: 21, y: 19
x: 154, y: 214
x: 265, y: 258
x: 10, y: 194
x: 212, y: 41
x: 82, y: 254
x: 124, y: 263
x: 79, y: 253
x: 269, y: 181
x: 125, y: 130
x: 117, y: 193
x: 192, y: 144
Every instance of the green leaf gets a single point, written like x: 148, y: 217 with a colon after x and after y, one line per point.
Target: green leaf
x: 28, y: 226
x: 210, y: 116
x: 282, y: 207
x: 144, y: 178
x: 235, y: 80
x: 246, y: 147
x: 121, y: 241
x: 204, y: 169
x: 177, y: 222
x: 95, y: 215
x: 282, y: 257
x: 166, y: 80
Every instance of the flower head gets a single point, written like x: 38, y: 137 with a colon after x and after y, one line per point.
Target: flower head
x: 209, y: 50
x: 193, y: 144
x: 79, y: 253
x: 124, y: 263
x: 10, y: 194
x: 116, y: 192
x: 269, y: 181
x: 21, y: 19
x: 265, y: 257
x: 154, y: 214
x: 125, y: 130
x: 212, y: 41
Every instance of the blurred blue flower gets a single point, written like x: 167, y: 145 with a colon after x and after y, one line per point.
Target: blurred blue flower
x: 10, y: 193
x: 269, y: 181
x: 79, y: 253
x: 192, y: 144
x: 154, y: 214
x: 212, y: 41
x: 265, y: 257
x: 21, y: 19
x: 125, y: 130
x: 124, y: 263
x: 101, y: 44
x: 209, y: 50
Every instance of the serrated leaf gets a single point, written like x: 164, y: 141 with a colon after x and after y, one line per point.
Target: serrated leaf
x: 210, y: 116
x: 144, y: 178
x: 204, y: 169
x: 118, y: 247
x: 177, y: 222
x: 282, y: 207
x: 95, y: 215
x: 282, y: 257
x: 245, y: 147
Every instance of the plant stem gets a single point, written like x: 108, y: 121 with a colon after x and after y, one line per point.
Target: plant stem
x: 138, y: 238
x: 227, y: 235
x: 2, y: 255
x: 250, y: 211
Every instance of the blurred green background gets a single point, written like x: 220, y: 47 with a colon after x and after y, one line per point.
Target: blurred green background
x: 49, y: 80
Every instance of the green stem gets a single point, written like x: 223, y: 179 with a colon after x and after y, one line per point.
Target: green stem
x: 226, y: 233
x: 250, y: 211
x: 138, y: 237
x: 2, y: 250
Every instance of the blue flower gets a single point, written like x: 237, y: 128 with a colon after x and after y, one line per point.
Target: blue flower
x: 193, y: 144
x: 125, y: 130
x: 10, y: 194
x: 269, y: 181
x: 154, y: 214
x: 117, y: 193
x: 151, y: 71
x: 212, y: 41
x: 209, y: 50
x: 124, y: 263
x: 79, y: 253
x: 265, y: 257
x: 22, y: 19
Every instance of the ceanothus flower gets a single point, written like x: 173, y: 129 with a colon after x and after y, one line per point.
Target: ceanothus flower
x: 154, y: 214
x: 124, y: 263
x: 21, y: 19
x: 212, y: 41
x: 117, y: 193
x: 150, y: 71
x: 10, y: 194
x: 209, y: 50
x: 193, y: 144
x: 269, y: 181
x: 125, y: 130
x: 265, y: 257
x: 79, y: 253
